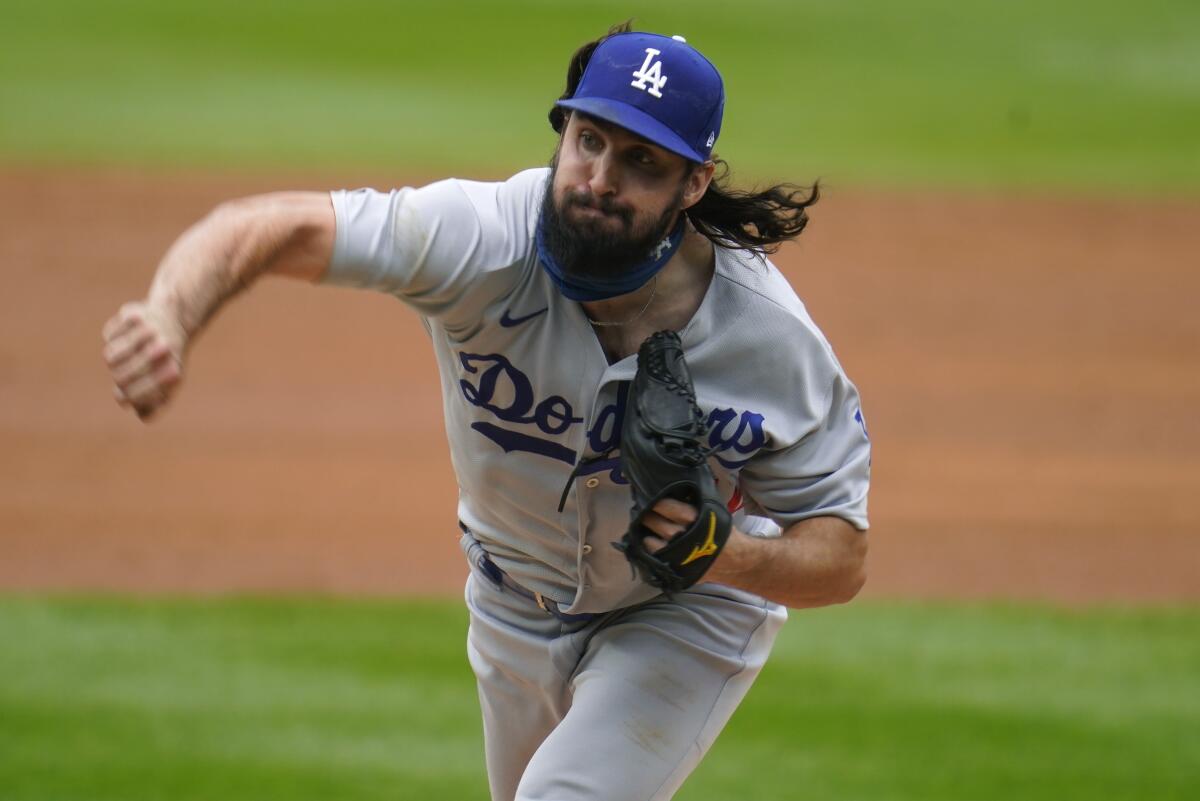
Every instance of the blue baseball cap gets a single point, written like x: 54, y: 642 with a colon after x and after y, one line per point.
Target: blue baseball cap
x: 658, y: 87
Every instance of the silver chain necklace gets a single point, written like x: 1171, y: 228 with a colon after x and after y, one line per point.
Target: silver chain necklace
x: 653, y: 292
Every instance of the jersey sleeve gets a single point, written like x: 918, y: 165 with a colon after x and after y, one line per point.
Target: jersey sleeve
x: 447, y: 249
x: 825, y: 472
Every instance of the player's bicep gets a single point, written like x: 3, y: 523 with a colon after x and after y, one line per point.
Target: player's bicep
x: 445, y: 249
x: 417, y: 244
x: 826, y: 473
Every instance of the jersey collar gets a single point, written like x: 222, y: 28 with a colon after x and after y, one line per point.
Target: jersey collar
x: 597, y: 288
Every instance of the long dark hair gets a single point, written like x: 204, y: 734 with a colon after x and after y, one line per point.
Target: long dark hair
x: 758, y: 220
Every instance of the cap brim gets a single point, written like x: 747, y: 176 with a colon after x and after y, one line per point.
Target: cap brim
x: 635, y: 121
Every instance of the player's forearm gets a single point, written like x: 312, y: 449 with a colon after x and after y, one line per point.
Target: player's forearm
x: 204, y: 268
x: 146, y: 342
x: 816, y: 562
x: 240, y: 240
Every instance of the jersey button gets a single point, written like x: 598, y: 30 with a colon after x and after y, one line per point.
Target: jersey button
x: 587, y: 549
x: 593, y: 482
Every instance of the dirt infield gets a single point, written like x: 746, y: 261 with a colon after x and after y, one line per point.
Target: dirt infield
x: 1030, y: 370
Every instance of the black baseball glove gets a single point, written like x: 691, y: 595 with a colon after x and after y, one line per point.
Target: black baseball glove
x: 663, y: 456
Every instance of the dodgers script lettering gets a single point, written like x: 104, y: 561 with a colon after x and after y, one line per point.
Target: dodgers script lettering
x: 491, y: 382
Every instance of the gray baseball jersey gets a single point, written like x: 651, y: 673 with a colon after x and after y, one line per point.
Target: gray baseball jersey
x: 621, y: 704
x: 528, y: 393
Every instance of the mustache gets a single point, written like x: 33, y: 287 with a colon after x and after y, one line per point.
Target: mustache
x: 589, y: 201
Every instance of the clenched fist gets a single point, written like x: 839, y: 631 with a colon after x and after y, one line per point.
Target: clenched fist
x: 144, y: 349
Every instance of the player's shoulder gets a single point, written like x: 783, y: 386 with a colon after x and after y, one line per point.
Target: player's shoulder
x: 759, y: 345
x: 512, y: 204
x: 762, y: 306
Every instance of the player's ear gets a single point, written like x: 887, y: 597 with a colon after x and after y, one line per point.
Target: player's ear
x: 559, y: 118
x: 696, y: 183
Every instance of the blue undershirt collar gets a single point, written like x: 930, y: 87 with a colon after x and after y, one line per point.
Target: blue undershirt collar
x: 602, y: 288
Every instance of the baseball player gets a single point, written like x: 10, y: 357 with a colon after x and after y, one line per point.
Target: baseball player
x: 537, y: 293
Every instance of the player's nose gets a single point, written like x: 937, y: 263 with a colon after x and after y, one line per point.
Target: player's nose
x: 604, y: 180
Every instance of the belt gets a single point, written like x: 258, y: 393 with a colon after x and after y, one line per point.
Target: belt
x: 501, y: 579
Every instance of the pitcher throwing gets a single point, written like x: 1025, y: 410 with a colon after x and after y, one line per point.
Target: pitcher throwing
x: 604, y: 673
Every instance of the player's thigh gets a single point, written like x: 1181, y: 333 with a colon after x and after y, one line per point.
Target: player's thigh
x: 651, y: 693
x: 522, y: 670
x: 516, y: 719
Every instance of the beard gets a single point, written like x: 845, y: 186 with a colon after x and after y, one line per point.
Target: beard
x: 594, y: 246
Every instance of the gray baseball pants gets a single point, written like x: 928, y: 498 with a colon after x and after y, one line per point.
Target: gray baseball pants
x: 620, y: 708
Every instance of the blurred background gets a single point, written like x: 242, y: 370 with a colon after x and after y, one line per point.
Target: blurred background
x: 255, y: 595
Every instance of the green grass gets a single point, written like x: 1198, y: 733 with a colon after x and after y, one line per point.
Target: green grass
x: 296, y: 699
x: 1085, y: 94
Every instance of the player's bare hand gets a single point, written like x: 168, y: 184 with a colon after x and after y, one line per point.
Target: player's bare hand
x: 667, y: 518
x: 144, y: 348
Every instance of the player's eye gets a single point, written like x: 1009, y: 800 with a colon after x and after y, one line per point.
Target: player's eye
x: 643, y: 158
x: 588, y: 140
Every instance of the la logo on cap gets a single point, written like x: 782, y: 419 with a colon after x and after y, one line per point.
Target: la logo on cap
x: 686, y: 122
x: 650, y: 73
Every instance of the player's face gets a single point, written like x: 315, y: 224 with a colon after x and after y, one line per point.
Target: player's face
x: 610, y: 179
x: 612, y: 197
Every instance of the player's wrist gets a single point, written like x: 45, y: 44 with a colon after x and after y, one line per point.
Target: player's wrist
x: 169, y: 314
x: 730, y: 563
